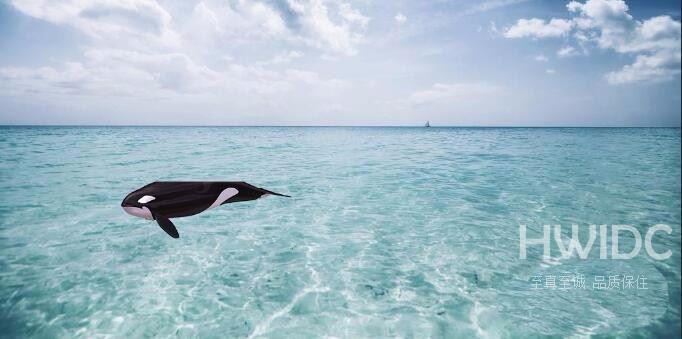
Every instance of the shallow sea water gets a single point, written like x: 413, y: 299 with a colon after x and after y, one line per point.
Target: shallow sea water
x: 390, y: 232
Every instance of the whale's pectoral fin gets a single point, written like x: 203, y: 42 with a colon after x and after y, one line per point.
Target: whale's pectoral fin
x: 167, y: 225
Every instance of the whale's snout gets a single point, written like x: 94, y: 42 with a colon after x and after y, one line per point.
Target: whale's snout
x: 140, y: 212
x: 133, y: 207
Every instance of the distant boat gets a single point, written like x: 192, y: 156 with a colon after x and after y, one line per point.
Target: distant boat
x: 427, y: 124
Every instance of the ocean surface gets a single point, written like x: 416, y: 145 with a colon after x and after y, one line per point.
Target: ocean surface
x: 390, y: 232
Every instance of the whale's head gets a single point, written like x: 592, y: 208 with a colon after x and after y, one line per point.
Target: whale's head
x: 134, y: 204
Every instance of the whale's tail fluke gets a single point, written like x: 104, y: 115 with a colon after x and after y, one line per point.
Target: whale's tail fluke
x: 274, y: 193
x: 260, y: 190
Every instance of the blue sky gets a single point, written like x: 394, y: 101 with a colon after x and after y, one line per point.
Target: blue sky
x: 329, y: 62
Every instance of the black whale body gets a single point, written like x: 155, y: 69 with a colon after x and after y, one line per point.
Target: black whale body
x: 162, y: 200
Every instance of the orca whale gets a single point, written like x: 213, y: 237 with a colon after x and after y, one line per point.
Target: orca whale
x: 162, y: 200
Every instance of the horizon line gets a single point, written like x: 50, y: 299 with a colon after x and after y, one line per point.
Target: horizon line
x: 332, y: 126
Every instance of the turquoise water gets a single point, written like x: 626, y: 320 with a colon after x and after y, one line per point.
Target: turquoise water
x: 390, y: 232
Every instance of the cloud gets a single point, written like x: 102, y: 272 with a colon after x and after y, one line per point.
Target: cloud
x: 311, y: 78
x: 238, y: 22
x: 567, y: 51
x: 400, y: 18
x: 150, y: 49
x: 312, y: 20
x: 283, y: 58
x: 607, y: 25
x: 118, y: 22
x: 351, y: 15
x: 538, y: 28
x: 493, y: 29
x: 490, y: 5
x: 661, y: 66
x: 550, y: 71
x: 335, y: 27
x: 540, y: 58
x: 609, y: 19
x: 440, y: 92
x: 115, y: 73
x: 106, y: 72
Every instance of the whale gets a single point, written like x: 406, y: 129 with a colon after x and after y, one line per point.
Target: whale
x: 163, y: 200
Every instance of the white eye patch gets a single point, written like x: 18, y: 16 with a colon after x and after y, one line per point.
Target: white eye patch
x: 146, y: 199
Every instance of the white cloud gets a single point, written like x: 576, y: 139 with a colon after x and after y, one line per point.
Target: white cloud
x: 541, y: 58
x: 490, y: 5
x: 115, y: 73
x: 661, y: 66
x: 321, y: 31
x: 567, y: 51
x: 283, y: 58
x: 100, y: 17
x: 352, y: 15
x: 606, y: 24
x: 452, y: 92
x: 400, y: 18
x: 145, y: 48
x: 334, y: 27
x: 608, y: 17
x: 493, y: 29
x: 550, y: 71
x: 107, y: 72
x: 538, y: 28
x: 311, y: 78
x: 129, y: 22
x: 658, y: 33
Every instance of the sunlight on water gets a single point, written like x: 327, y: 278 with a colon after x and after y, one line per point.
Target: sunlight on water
x: 389, y: 232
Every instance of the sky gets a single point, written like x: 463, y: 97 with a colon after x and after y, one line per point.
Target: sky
x: 337, y: 62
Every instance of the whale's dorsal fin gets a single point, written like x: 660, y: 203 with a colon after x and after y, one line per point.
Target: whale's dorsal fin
x: 167, y: 226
